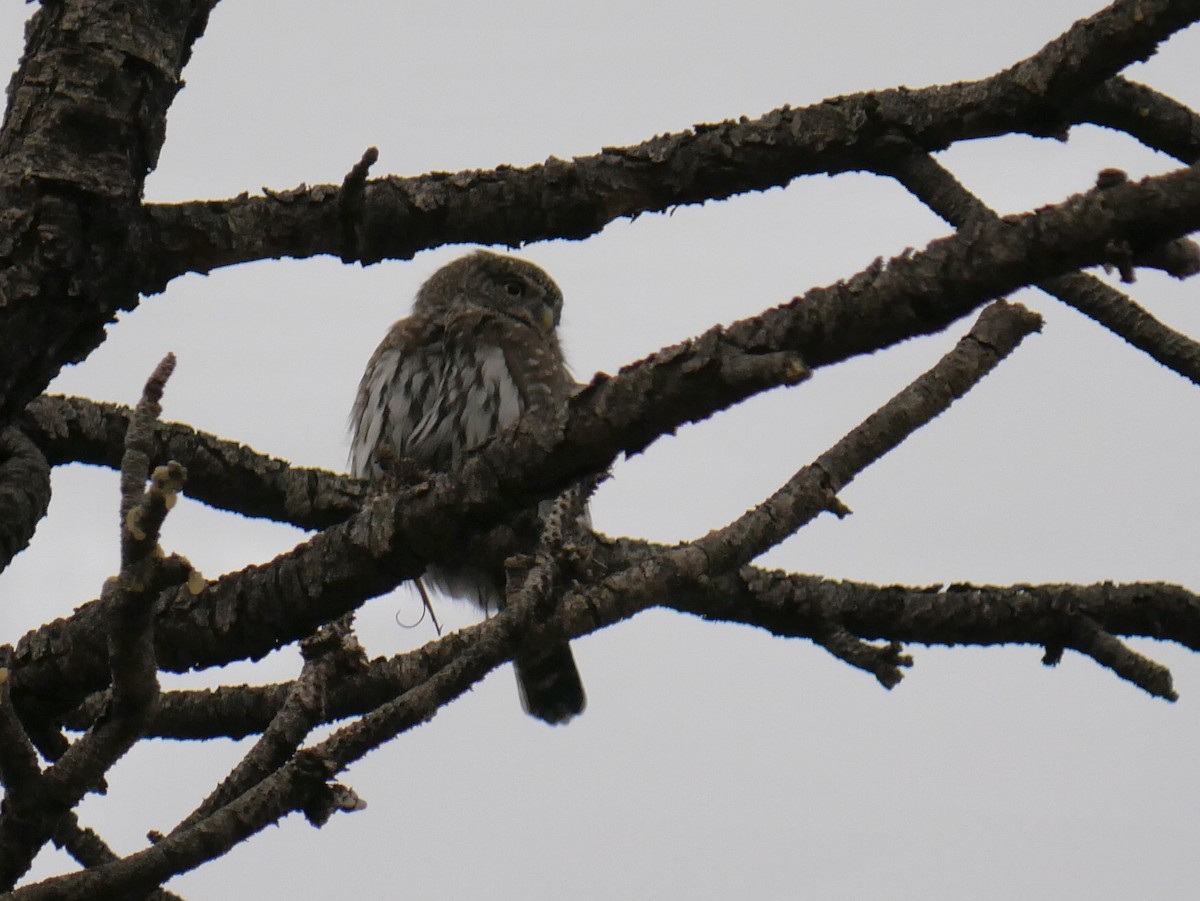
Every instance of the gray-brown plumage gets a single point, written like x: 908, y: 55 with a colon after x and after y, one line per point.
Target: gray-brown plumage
x: 479, y: 351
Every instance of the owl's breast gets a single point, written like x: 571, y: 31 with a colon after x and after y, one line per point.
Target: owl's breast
x: 488, y: 398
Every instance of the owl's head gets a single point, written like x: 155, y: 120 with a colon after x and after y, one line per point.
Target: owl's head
x: 492, y: 281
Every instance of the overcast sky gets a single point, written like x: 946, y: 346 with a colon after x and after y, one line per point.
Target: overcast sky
x: 713, y: 761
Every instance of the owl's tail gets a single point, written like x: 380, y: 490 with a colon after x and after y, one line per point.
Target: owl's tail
x: 549, y: 683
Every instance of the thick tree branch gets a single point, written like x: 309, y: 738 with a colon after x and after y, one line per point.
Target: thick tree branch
x: 24, y: 492
x: 73, y: 159
x: 224, y: 474
x: 788, y: 605
x: 559, y: 199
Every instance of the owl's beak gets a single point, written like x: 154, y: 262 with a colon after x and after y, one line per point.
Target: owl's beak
x: 547, y: 322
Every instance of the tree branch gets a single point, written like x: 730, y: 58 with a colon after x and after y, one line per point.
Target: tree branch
x: 223, y: 474
x: 20, y: 773
x: 1158, y: 121
x: 560, y: 199
x: 784, y: 604
x: 330, y: 656
x: 24, y: 492
x: 90, y: 850
x: 80, y: 244
x: 127, y: 607
x: 1084, y: 635
x: 961, y: 614
x: 938, y: 189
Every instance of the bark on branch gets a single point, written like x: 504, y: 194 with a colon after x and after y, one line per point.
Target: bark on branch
x: 1043, y: 95
x: 73, y: 160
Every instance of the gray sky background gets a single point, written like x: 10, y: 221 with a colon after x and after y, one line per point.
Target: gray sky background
x: 713, y: 761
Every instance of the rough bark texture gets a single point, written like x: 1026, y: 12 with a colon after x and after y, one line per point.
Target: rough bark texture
x: 84, y: 125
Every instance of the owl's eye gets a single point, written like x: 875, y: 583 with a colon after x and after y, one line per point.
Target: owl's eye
x: 514, y: 288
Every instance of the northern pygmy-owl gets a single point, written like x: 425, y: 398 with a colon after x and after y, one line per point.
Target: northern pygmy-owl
x: 479, y: 351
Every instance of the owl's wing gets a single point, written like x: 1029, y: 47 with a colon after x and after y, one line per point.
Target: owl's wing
x: 392, y: 395
x: 369, y: 416
x: 432, y: 390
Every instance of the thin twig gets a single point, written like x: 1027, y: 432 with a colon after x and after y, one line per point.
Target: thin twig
x: 1086, y: 636
x: 127, y: 600
x: 884, y: 663
x: 350, y: 204
x: 330, y: 655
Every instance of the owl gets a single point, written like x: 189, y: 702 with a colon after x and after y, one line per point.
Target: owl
x: 479, y: 351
